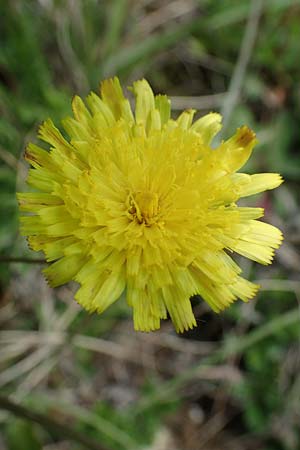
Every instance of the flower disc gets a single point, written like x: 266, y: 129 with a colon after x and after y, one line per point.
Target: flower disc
x: 140, y: 203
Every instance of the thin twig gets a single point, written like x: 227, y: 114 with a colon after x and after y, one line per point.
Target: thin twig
x: 11, y: 161
x: 24, y: 365
x: 8, y: 158
x: 35, y: 377
x: 57, y: 338
x: 21, y: 259
x: 14, y: 349
x: 201, y: 102
x: 49, y: 424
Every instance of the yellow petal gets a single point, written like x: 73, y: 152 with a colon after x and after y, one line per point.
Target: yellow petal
x: 37, y: 157
x: 163, y: 105
x: 244, y: 289
x: 109, y: 292
x: 34, y: 201
x: 144, y: 99
x: 144, y: 317
x: 154, y: 121
x: 63, y: 270
x: 55, y: 248
x: 179, y: 308
x: 259, y: 183
x: 80, y: 111
x: 75, y: 129
x: 112, y: 95
x: 258, y: 242
x: 185, y: 119
x: 50, y: 134
x: 101, y: 108
x: 235, y: 152
x: 208, y: 126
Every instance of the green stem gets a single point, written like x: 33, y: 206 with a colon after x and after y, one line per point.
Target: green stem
x: 49, y: 424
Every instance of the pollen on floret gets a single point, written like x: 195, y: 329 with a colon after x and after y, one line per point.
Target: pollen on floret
x: 245, y: 136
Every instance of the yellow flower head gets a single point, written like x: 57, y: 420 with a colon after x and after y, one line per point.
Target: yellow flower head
x: 140, y: 204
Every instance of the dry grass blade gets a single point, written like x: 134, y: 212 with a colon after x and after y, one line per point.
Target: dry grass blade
x: 110, y: 349
x: 13, y: 350
x: 35, y: 377
x: 180, y: 345
x: 23, y: 366
x: 242, y: 62
x: 165, y: 14
x: 203, y: 102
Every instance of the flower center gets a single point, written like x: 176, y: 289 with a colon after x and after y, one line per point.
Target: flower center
x: 143, y: 207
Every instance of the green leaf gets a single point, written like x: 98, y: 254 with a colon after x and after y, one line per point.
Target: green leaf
x: 22, y: 435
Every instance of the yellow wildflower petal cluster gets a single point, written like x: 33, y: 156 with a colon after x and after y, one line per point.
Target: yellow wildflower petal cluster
x: 139, y: 204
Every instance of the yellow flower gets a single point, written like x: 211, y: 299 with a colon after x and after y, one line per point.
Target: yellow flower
x: 139, y: 203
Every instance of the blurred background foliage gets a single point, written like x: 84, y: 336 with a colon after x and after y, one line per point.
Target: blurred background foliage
x: 233, y: 383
